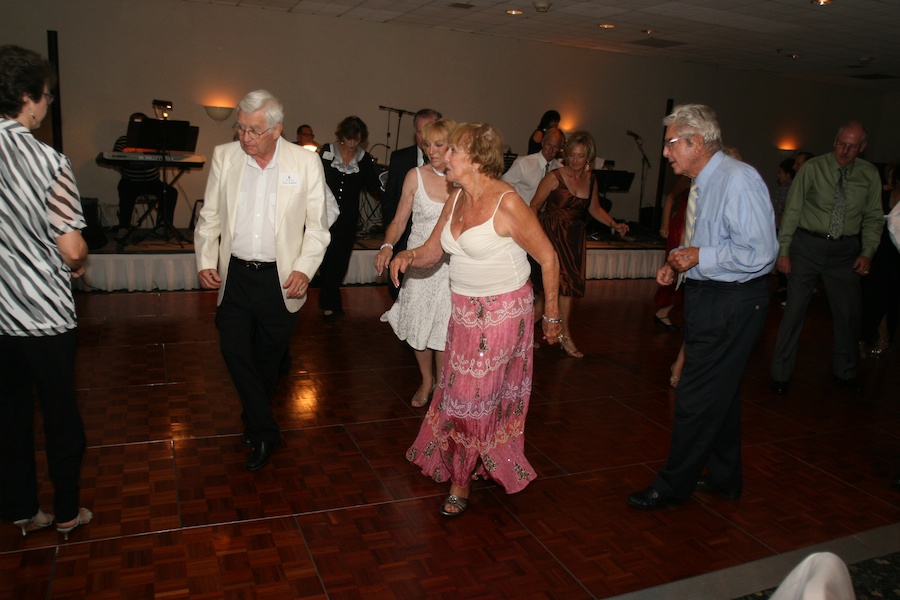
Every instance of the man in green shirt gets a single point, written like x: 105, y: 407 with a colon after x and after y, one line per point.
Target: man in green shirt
x: 831, y: 227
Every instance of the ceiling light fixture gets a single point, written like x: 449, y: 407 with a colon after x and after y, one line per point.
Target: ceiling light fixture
x: 648, y: 31
x: 541, y: 6
x: 820, y: 2
x: 514, y: 11
x: 606, y: 26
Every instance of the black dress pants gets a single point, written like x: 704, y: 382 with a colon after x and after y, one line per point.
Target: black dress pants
x: 45, y: 365
x: 337, y: 259
x: 254, y: 331
x: 723, y: 322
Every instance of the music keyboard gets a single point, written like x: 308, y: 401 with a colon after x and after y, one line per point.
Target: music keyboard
x: 151, y: 159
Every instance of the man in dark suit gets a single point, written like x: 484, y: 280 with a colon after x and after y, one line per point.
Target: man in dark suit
x: 402, y: 161
x: 260, y: 255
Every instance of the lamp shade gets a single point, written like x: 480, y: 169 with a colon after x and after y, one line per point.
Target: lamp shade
x: 218, y: 113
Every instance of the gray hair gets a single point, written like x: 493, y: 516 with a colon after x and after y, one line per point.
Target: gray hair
x: 852, y: 124
x: 260, y: 99
x: 689, y: 119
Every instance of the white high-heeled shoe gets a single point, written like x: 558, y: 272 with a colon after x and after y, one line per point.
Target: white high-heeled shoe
x: 39, y: 521
x: 84, y: 517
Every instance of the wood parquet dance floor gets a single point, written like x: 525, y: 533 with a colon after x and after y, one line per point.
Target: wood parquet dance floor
x: 340, y: 514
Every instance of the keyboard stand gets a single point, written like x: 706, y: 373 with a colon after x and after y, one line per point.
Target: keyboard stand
x: 169, y: 230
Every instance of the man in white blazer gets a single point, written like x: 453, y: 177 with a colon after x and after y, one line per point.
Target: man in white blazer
x: 260, y: 237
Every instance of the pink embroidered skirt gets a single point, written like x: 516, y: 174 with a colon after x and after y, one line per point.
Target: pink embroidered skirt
x: 476, y: 421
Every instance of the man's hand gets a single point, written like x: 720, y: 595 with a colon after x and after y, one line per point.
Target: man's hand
x: 665, y: 275
x: 209, y: 279
x: 862, y: 265
x: 296, y: 285
x: 783, y: 264
x: 682, y: 259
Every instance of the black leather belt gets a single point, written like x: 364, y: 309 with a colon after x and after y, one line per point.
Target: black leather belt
x: 253, y: 265
x: 824, y: 236
x: 724, y: 284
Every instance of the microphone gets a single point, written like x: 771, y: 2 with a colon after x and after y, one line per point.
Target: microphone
x: 633, y: 134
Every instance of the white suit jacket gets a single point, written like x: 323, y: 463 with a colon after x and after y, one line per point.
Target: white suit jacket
x: 301, y: 227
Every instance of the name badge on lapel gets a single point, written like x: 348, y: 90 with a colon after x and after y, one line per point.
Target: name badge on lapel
x: 290, y: 179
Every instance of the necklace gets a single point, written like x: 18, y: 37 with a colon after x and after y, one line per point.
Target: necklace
x: 438, y: 173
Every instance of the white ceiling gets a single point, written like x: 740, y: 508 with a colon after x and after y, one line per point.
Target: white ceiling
x: 851, y: 42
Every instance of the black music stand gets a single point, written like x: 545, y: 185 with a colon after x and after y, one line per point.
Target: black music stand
x: 613, y: 181
x: 608, y: 181
x: 162, y: 137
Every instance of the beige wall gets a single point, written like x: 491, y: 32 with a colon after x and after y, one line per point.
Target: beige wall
x: 117, y: 55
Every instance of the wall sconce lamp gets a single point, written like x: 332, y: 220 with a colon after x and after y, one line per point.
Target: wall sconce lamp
x: 218, y: 113
x: 161, y: 108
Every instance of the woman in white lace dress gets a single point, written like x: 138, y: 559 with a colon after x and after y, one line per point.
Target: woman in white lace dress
x: 422, y: 310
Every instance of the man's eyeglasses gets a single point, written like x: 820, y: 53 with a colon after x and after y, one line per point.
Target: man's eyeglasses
x: 252, y: 133
x: 850, y: 147
x: 671, y: 141
x: 50, y: 98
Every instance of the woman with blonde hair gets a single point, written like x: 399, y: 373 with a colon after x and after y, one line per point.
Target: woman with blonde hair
x: 420, y: 314
x: 562, y: 198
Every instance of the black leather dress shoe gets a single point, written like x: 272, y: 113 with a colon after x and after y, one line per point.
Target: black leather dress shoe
x: 260, y: 455
x: 662, y: 323
x: 704, y: 485
x: 779, y: 387
x: 649, y: 499
x: 851, y: 384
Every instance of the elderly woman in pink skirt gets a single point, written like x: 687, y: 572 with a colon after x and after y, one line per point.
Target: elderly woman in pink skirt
x: 476, y: 422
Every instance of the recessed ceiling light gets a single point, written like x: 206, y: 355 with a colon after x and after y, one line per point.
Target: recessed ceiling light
x: 820, y: 2
x: 793, y: 55
x: 514, y: 11
x: 606, y: 26
x: 648, y: 31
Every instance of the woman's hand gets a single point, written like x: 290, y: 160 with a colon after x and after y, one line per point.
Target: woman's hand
x: 551, y: 331
x: 622, y: 228
x: 402, y: 261
x: 383, y: 258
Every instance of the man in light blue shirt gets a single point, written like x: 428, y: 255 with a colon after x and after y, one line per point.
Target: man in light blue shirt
x: 729, y: 248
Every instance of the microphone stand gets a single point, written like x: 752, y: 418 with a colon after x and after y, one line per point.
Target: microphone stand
x: 645, y: 167
x: 400, y: 112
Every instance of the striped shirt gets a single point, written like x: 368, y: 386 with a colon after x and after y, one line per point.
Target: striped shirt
x: 38, y: 203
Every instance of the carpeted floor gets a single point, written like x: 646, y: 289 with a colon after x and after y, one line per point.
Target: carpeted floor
x: 875, y: 579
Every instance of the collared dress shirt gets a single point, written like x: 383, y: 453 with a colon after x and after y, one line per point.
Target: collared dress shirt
x: 811, y: 197
x: 735, y: 223
x: 526, y: 173
x: 254, y: 223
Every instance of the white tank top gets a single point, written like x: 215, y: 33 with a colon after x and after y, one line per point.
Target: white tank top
x: 483, y: 263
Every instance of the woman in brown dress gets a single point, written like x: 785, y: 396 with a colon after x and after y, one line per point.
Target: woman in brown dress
x: 561, y: 199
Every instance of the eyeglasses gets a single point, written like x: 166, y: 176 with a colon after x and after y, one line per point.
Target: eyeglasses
x: 254, y: 134
x: 671, y: 141
x: 50, y: 98
x: 850, y: 147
